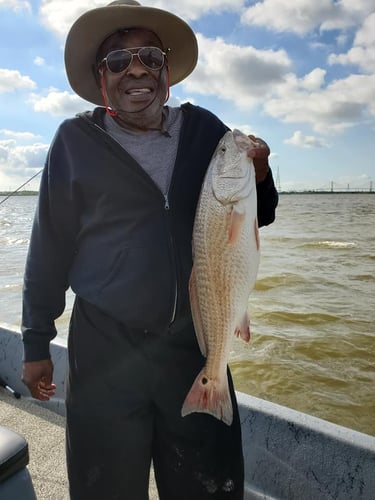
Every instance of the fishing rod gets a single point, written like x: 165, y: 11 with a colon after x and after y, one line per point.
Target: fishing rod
x: 24, y: 184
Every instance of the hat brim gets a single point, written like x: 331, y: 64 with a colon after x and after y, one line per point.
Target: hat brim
x: 92, y: 28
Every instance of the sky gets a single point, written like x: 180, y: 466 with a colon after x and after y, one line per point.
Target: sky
x: 299, y: 74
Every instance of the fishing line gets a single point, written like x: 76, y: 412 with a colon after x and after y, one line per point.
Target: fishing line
x: 24, y: 184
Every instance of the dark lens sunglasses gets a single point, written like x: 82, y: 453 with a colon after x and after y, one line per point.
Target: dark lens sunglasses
x: 119, y: 60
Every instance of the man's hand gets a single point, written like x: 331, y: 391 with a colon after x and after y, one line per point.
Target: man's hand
x: 37, y: 376
x: 260, y: 154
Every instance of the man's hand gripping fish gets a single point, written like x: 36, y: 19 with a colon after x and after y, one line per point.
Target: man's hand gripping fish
x: 226, y: 261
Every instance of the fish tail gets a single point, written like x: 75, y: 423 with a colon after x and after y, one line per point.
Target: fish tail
x: 209, y: 396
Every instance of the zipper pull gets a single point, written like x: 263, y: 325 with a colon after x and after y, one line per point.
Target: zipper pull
x: 166, y: 202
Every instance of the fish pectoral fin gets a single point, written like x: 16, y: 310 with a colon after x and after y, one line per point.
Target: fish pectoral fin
x: 236, y: 220
x: 209, y: 396
x: 196, y: 313
x: 243, y: 330
x: 256, y: 233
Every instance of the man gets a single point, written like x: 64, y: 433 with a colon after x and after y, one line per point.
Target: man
x: 114, y: 222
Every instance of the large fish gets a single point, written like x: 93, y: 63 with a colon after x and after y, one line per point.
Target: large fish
x: 225, y: 266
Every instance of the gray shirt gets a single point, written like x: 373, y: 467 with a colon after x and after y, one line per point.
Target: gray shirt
x: 155, y: 152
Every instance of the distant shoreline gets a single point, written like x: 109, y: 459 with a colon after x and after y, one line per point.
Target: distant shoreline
x: 19, y: 193
x: 342, y: 191
x: 308, y: 191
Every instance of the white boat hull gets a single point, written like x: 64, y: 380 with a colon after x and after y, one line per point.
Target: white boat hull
x: 288, y: 454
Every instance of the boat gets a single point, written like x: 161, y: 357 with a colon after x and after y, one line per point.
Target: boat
x: 289, y: 455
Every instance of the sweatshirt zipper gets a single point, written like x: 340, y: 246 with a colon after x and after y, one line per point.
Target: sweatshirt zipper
x: 174, y: 310
x: 166, y: 208
x: 166, y: 202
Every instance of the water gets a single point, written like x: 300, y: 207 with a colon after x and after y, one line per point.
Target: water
x: 312, y: 311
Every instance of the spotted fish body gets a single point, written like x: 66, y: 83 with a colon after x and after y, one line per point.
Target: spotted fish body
x: 226, y: 261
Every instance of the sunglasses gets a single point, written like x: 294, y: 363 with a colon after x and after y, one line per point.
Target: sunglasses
x: 119, y: 60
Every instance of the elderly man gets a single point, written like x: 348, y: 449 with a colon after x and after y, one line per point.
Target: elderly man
x: 114, y: 222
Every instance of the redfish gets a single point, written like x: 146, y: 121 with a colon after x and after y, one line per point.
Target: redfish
x: 225, y: 266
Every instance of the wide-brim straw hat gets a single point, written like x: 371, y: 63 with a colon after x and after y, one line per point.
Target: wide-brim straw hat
x: 94, y: 26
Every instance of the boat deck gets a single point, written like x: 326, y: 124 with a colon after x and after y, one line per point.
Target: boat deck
x: 44, y: 431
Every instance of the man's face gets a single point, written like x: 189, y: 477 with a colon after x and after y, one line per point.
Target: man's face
x: 136, y: 89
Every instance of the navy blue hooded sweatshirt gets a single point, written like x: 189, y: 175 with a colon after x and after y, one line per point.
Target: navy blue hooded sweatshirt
x: 104, y: 228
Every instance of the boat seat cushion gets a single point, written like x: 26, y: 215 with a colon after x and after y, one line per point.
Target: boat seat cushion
x: 14, y: 453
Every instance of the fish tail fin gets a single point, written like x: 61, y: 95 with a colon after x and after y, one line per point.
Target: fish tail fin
x: 209, y: 396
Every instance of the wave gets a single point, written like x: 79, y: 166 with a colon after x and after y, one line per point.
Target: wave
x: 293, y: 318
x: 14, y: 241
x: 12, y: 287
x: 281, y: 280
x: 337, y: 245
x: 364, y: 277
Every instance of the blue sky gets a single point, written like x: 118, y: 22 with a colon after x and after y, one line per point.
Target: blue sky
x: 299, y: 74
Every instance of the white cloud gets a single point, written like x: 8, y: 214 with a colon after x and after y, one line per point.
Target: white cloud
x: 29, y: 156
x: 59, y: 15
x: 346, y: 14
x: 366, y: 35
x: 16, y: 5
x: 175, y: 101
x: 19, y: 162
x: 313, y: 80
x: 250, y: 77
x: 362, y: 54
x: 342, y: 39
x: 23, y: 136
x: 193, y: 9
x: 357, y: 90
x: 39, y: 61
x: 19, y: 156
x: 241, y: 74
x: 304, y: 16
x: 305, y: 141
x: 58, y: 103
x: 11, y: 80
x: 299, y: 16
x: 342, y: 104
x: 4, y: 150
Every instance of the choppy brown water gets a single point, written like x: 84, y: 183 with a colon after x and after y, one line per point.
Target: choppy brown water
x: 313, y: 309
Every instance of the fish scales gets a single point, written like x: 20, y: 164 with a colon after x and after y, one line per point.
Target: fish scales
x: 226, y: 259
